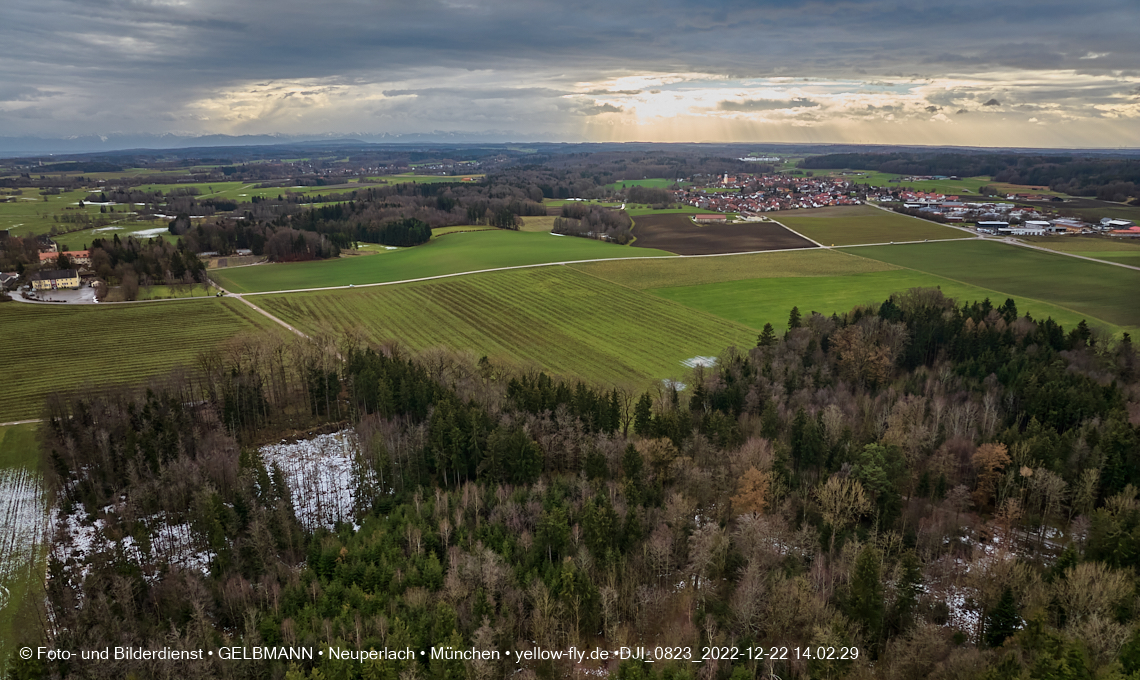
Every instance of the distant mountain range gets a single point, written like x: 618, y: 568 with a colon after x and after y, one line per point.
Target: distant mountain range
x: 25, y: 146
x: 80, y: 144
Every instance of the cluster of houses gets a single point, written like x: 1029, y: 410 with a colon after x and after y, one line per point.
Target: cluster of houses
x: 994, y: 217
x: 757, y: 194
x: 50, y: 277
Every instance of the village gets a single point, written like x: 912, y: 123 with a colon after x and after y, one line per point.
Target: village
x: 754, y: 194
x: 750, y: 195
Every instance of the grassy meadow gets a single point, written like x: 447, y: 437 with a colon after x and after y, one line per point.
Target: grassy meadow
x: 454, y: 253
x: 1123, y: 251
x: 962, y: 186
x: 69, y: 346
x: 1098, y: 292
x: 857, y: 224
x: 555, y: 318
x: 692, y: 271
x: 651, y: 182
x: 754, y: 302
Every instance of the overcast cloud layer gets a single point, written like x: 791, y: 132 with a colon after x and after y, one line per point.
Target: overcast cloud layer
x: 972, y: 72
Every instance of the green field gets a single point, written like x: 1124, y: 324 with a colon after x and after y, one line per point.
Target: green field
x: 652, y: 183
x: 758, y: 301
x: 1124, y: 251
x: 450, y: 255
x: 851, y: 225
x: 962, y: 186
x: 23, y: 509
x: 1091, y: 290
x: 691, y: 271
x: 552, y: 317
x: 58, y: 347
x: 421, y: 179
x: 636, y: 210
x: 29, y: 213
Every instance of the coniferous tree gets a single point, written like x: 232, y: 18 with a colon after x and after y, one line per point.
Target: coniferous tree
x: 1003, y: 621
x: 767, y: 337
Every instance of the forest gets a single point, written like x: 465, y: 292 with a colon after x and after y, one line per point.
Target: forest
x: 951, y: 488
x: 1105, y: 178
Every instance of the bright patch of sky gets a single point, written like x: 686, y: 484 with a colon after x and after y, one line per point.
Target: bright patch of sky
x: 874, y: 71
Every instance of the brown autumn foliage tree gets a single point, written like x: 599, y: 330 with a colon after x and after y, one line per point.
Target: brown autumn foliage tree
x: 989, y: 460
x: 752, y: 492
x: 866, y: 350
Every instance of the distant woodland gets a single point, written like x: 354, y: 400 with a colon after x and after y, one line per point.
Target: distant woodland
x: 1106, y: 179
x: 954, y: 488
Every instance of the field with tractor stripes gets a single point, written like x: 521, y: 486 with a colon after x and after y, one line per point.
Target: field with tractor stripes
x: 555, y: 318
x: 58, y: 347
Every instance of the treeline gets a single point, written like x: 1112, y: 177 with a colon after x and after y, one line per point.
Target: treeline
x: 1105, y: 178
x: 594, y: 221
x: 404, y: 214
x: 951, y: 488
x: 132, y: 262
x: 648, y: 195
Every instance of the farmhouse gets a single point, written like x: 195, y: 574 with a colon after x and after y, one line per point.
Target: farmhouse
x: 992, y: 226
x: 8, y: 280
x: 55, y: 279
x: 76, y: 256
x: 704, y: 219
x: 1109, y: 223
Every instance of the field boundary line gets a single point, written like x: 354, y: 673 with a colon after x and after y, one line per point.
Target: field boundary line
x: 1015, y: 242
x: 806, y: 238
x: 944, y: 224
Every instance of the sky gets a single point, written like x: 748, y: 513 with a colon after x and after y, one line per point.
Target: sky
x: 971, y: 72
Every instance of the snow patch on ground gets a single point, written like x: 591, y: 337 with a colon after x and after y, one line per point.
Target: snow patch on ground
x: 151, y: 233
x: 23, y: 516
x: 693, y: 362
x: 321, y: 473
x: 79, y: 541
x: 102, y: 229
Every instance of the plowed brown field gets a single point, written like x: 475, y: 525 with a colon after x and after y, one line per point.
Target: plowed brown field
x: 677, y: 233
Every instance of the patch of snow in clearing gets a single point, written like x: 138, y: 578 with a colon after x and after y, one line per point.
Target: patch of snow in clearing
x: 553, y: 234
x: 699, y: 361
x: 675, y: 385
x: 391, y: 248
x: 102, y: 229
x: 78, y: 542
x: 151, y: 233
x: 962, y: 616
x: 321, y: 474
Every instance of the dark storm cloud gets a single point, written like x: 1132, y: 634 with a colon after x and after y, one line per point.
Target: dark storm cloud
x: 765, y: 104
x: 137, y: 63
